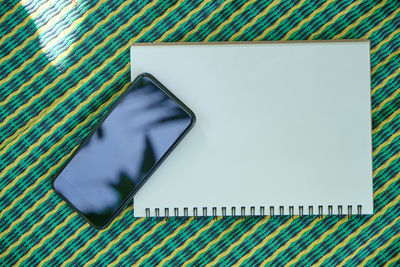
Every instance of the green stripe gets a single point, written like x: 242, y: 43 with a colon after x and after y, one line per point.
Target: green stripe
x: 240, y: 20
x: 202, y: 241
x: 142, y: 249
x: 263, y: 232
x: 257, y: 28
x: 217, y: 19
x: 193, y: 21
x: 176, y: 242
x: 324, y: 16
x: 226, y: 241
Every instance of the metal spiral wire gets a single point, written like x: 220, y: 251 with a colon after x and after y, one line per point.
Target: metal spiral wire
x: 302, y: 211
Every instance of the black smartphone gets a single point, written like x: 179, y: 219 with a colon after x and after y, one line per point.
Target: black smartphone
x: 123, y: 150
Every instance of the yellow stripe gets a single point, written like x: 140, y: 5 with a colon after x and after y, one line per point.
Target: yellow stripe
x: 187, y: 242
x: 38, y: 181
x: 45, y: 49
x: 384, y: 102
x: 228, y: 20
x: 316, y: 242
x: 391, y: 55
x: 253, y: 20
x: 378, y: 250
x: 23, y: 195
x: 309, y: 18
x: 94, y: 238
x: 278, y: 251
x: 370, y: 239
x: 357, y: 22
x: 35, y: 35
x: 98, y: 26
x: 10, y: 12
x: 63, y: 245
x: 47, y: 237
x: 335, y: 18
x: 33, y: 228
x: 386, y: 164
x: 84, y: 227
x: 177, y: 25
x: 354, y: 234
x: 384, y: 144
x: 268, y: 30
x: 387, y: 99
x: 396, y: 258
x: 386, y: 121
x: 34, y: 15
x: 28, y: 126
x: 45, y: 111
x: 147, y: 234
x: 206, y: 20
x: 114, y: 241
x: 383, y: 22
x: 216, y: 240
x: 243, y: 237
x: 381, y: 43
x: 261, y: 244
x: 383, y: 83
x: 73, y: 26
x: 63, y: 121
x: 21, y: 217
x: 386, y: 185
x: 165, y: 240
x: 379, y: 26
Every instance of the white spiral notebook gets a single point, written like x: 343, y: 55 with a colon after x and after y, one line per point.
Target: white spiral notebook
x: 283, y: 128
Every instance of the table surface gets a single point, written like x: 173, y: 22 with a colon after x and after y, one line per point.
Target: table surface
x: 63, y: 63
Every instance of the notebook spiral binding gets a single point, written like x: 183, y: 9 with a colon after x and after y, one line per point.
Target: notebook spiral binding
x: 203, y: 212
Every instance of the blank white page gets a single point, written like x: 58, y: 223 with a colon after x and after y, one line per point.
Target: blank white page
x: 278, y: 125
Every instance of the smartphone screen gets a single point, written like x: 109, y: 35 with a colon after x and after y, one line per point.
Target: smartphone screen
x: 122, y: 152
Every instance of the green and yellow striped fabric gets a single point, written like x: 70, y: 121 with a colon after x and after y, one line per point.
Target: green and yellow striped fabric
x: 63, y: 63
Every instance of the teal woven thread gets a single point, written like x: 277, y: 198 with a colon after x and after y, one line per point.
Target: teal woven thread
x: 237, y: 22
x: 218, y: 18
x: 272, y: 245
x: 203, y: 240
x: 193, y: 21
x: 315, y: 24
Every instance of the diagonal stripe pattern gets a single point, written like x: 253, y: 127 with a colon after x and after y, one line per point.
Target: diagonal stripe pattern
x: 63, y: 63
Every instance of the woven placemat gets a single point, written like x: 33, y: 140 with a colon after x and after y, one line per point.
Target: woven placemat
x: 63, y: 63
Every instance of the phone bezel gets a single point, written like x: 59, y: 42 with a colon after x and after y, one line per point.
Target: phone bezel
x: 152, y: 170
